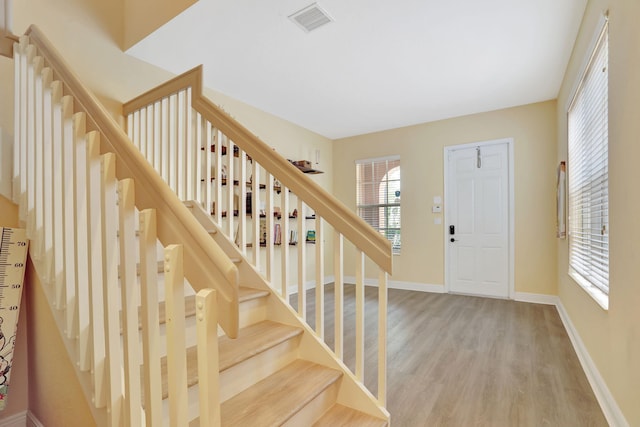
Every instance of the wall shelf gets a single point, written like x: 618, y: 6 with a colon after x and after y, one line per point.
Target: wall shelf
x: 305, y: 166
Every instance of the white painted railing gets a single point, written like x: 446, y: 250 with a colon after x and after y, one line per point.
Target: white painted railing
x: 95, y: 249
x: 280, y: 219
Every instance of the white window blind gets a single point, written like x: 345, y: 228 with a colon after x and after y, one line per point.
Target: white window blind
x: 378, y: 196
x: 588, y: 171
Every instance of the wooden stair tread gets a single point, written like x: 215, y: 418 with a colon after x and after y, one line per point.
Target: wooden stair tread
x: 341, y: 416
x: 277, y: 398
x: 247, y: 293
x: 251, y: 340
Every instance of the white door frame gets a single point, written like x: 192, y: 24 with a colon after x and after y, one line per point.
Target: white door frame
x: 510, y: 214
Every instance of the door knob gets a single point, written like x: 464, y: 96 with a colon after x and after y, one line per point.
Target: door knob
x: 453, y: 240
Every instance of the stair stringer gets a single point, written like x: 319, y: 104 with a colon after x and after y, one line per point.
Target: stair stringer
x: 352, y: 392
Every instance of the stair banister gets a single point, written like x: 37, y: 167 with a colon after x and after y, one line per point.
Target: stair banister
x: 215, y: 134
x: 203, y: 258
x: 344, y: 220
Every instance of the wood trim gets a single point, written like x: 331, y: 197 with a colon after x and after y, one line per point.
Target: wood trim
x: 191, y: 78
x: 206, y: 265
x: 6, y: 45
x: 343, y: 219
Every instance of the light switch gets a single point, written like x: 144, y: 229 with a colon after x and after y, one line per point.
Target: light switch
x: 437, y: 200
x: 436, y: 209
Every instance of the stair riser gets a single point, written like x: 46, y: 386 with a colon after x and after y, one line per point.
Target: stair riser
x: 245, y: 374
x: 314, y: 409
x: 253, y: 311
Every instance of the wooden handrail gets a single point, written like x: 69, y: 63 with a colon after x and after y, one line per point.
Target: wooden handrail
x: 344, y: 220
x: 206, y: 265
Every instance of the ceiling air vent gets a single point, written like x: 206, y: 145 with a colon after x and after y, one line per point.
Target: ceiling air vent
x: 311, y: 17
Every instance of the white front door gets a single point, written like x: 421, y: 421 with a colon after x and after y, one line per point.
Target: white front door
x: 477, y: 212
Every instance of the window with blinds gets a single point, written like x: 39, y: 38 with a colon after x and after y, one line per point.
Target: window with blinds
x: 588, y: 172
x: 378, y: 196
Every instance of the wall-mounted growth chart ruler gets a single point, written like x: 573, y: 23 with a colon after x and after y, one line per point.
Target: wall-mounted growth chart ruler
x: 13, y: 257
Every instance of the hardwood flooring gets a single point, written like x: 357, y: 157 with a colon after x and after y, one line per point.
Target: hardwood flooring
x: 467, y: 361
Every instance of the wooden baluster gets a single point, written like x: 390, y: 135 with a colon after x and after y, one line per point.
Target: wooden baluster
x: 284, y: 198
x: 319, y: 277
x: 198, y: 158
x: 173, y: 144
x: 338, y: 266
x: 255, y: 213
x: 208, y: 377
x: 34, y: 69
x: 242, y: 202
x: 269, y: 226
x: 18, y: 78
x: 150, y: 318
x: 382, y: 338
x: 360, y: 275
x: 190, y: 170
x: 113, y: 358
x: 219, y: 206
x: 82, y: 240
x: 142, y: 131
x: 208, y: 166
x: 35, y: 247
x: 164, y: 140
x: 69, y: 230
x: 302, y: 261
x: 176, y: 345
x: 157, y: 132
x: 136, y: 129
x: 129, y: 298
x: 182, y: 145
x: 28, y: 51
x: 230, y: 189
x: 96, y: 258
x: 149, y: 136
x: 58, y: 195
x: 47, y: 76
x: 130, y: 132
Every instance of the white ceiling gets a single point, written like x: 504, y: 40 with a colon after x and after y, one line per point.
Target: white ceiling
x: 382, y: 64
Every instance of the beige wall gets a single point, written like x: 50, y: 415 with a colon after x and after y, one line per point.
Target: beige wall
x: 612, y: 337
x: 18, y: 398
x: 55, y: 396
x: 421, y: 150
x: 142, y: 17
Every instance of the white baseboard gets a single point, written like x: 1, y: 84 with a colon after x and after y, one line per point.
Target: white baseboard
x: 17, y: 420
x: 536, y: 298
x: 609, y: 407
x: 23, y: 419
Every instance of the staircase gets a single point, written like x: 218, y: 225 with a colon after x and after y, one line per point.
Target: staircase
x: 172, y: 312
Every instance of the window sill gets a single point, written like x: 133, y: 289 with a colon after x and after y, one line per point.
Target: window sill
x: 596, y: 293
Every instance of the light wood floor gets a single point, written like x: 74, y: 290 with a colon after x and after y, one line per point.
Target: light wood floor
x: 467, y: 361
